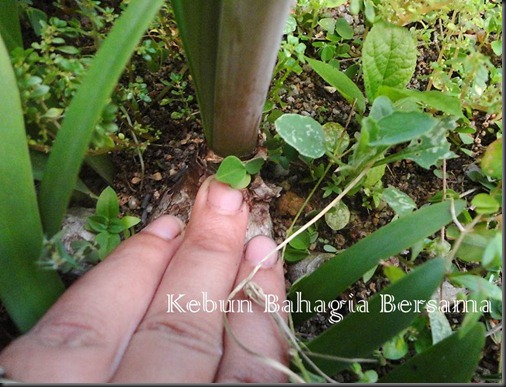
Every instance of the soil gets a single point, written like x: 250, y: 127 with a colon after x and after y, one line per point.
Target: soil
x: 180, y: 158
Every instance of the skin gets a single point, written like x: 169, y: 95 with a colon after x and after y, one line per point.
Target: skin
x: 112, y: 325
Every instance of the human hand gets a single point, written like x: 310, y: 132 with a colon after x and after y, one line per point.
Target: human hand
x: 113, y: 324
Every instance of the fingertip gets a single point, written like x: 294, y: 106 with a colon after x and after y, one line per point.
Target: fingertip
x: 167, y: 227
x: 261, y: 249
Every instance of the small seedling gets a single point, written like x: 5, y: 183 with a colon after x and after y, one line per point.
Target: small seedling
x: 236, y: 173
x: 107, y: 224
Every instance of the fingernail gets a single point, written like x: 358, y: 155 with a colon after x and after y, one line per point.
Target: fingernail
x: 167, y: 227
x: 224, y: 198
x: 261, y: 249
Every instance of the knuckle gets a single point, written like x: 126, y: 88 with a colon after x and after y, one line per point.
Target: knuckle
x: 70, y: 331
x: 212, y: 237
x: 188, y: 333
x: 250, y: 375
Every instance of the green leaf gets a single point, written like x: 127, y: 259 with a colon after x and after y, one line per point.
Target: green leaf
x: 129, y: 221
x: 233, y: 172
x: 395, y: 348
x: 439, y: 326
x: 362, y: 332
x: 472, y: 248
x: 485, y: 204
x: 344, y: 85
x: 433, y: 99
x: 103, y: 166
x: 301, y: 241
x: 479, y: 285
x: 400, y: 127
x: 336, y: 137
x: 68, y: 50
x: 253, y: 166
x: 98, y: 223
x: 492, y: 256
x: 427, y: 150
x: 444, y: 362
x: 10, y: 29
x: 25, y: 290
x: 491, y: 162
x: 327, y: 24
x: 338, y: 216
x: 393, y: 273
x: 107, y: 242
x: 336, y: 274
x: 400, y: 202
x: 39, y: 161
x: 303, y: 133
x: 36, y: 17
x: 344, y: 29
x: 86, y: 109
x: 108, y: 204
x: 117, y: 226
x: 294, y: 255
x: 381, y: 107
x: 388, y: 57
x: 496, y: 46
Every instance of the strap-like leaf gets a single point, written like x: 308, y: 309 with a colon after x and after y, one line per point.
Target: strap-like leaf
x: 26, y: 290
x: 85, y: 109
x: 338, y: 273
x: 360, y: 333
x: 453, y: 360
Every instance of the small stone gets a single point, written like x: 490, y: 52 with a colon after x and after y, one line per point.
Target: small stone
x: 156, y: 176
x: 133, y: 203
x: 290, y: 203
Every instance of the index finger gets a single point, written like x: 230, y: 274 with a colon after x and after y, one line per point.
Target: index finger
x: 83, y: 336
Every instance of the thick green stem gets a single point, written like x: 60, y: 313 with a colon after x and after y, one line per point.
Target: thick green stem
x: 232, y: 47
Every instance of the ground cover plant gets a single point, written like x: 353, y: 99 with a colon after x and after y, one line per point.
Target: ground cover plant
x: 381, y: 132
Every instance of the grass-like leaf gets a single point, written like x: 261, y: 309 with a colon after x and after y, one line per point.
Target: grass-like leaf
x: 25, y: 290
x: 360, y: 333
x: 453, y: 360
x: 85, y: 110
x: 10, y: 29
x: 344, y: 85
x: 338, y: 273
x: 39, y: 161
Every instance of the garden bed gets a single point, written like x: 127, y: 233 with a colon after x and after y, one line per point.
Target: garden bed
x: 165, y: 150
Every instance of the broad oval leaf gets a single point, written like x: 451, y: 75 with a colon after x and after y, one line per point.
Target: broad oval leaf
x: 233, y: 172
x: 400, y: 127
x: 336, y: 137
x: 338, y: 216
x: 434, y: 99
x: 388, y: 57
x: 107, y: 204
x: 254, y: 165
x: 400, y: 202
x: 491, y: 163
x: 303, y: 133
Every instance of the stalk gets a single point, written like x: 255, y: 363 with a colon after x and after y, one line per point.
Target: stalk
x: 231, y: 46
